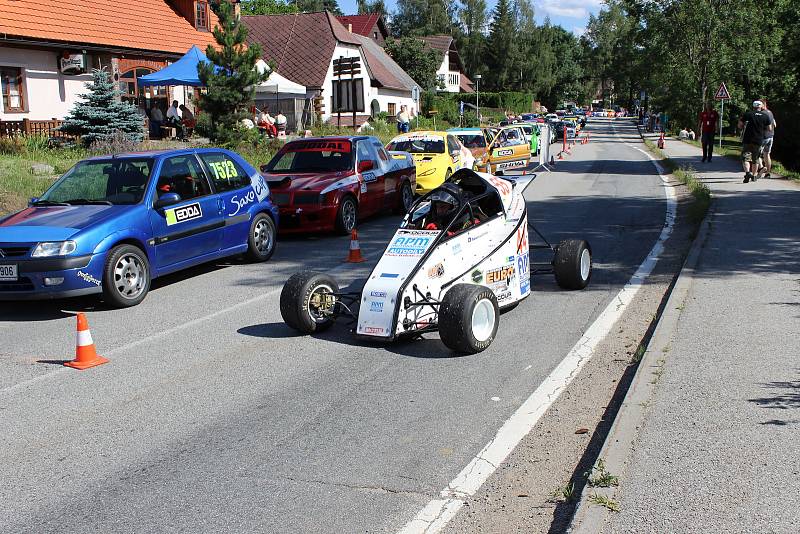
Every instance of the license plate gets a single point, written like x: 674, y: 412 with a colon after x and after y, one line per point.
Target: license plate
x: 8, y: 272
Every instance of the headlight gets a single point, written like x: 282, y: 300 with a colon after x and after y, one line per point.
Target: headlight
x: 428, y: 172
x: 53, y: 248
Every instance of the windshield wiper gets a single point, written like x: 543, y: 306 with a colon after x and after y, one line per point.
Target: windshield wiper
x: 48, y: 203
x: 88, y: 201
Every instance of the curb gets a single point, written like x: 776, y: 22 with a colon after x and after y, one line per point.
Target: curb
x: 590, y: 518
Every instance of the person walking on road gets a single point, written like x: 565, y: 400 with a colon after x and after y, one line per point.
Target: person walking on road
x: 756, y: 124
x: 708, y: 128
x: 766, y: 146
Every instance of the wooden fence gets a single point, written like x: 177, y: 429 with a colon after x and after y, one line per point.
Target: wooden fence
x: 29, y: 127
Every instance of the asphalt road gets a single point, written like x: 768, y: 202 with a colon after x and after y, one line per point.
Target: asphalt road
x: 214, y: 416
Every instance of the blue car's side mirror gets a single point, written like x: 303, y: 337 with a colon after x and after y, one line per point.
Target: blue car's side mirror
x: 168, y: 199
x: 32, y: 201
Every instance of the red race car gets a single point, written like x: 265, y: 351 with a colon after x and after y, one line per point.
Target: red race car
x: 329, y: 183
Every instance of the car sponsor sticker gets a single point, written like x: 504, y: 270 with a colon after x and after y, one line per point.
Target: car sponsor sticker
x: 523, y: 267
x: 477, y: 276
x: 88, y: 278
x: 456, y: 248
x: 259, y: 187
x: 373, y: 330
x: 376, y: 306
x: 511, y: 164
x: 319, y: 146
x: 503, y: 296
x: 411, y: 243
x: 472, y: 238
x: 378, y: 294
x: 369, y: 176
x: 522, y: 240
x: 363, y: 187
x: 389, y: 275
x: 437, y: 271
x: 184, y: 213
x: 503, y: 274
x: 504, y: 152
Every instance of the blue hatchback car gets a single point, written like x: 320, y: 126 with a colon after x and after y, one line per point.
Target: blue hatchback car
x: 111, y: 224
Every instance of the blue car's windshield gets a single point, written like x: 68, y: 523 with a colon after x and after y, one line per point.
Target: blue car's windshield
x: 108, y: 181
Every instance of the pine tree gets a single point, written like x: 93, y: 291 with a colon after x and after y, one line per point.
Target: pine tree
x: 103, y: 114
x: 500, y: 45
x: 230, y: 77
x: 472, y: 16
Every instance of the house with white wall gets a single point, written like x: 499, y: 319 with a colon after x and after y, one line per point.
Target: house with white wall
x: 451, y: 70
x: 48, y: 49
x: 304, y: 48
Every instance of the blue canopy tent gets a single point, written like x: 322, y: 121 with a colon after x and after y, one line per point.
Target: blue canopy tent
x: 182, y: 72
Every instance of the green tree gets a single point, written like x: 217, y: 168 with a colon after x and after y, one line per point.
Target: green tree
x: 423, y: 17
x: 472, y: 42
x: 500, y: 46
x: 230, y: 77
x: 310, y: 6
x: 267, y: 7
x: 378, y: 6
x: 419, y: 61
x: 103, y: 114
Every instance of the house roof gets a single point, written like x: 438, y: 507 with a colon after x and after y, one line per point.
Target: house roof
x: 302, y: 46
x: 151, y: 25
x: 440, y: 43
x: 465, y: 84
x: 362, y: 24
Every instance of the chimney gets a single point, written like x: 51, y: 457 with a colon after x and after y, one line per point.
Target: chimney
x: 350, y: 28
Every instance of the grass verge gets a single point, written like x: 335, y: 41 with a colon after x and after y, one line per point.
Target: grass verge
x: 700, y: 192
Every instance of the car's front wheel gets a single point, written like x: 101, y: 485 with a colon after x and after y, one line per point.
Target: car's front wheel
x: 347, y: 216
x: 406, y: 198
x: 468, y: 318
x: 126, y: 276
x: 307, y: 301
x: 261, y: 240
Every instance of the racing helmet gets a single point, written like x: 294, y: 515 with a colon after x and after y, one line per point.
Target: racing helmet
x: 448, y: 194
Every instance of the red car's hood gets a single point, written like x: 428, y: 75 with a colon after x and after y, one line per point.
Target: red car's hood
x: 297, y: 181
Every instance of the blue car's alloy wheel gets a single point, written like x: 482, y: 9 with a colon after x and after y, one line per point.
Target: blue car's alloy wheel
x: 261, y: 241
x: 126, y: 277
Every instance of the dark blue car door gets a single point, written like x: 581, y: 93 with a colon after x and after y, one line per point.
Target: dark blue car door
x: 192, y: 228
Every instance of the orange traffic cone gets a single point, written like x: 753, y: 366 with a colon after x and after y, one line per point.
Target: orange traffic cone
x: 85, y: 355
x: 355, y: 249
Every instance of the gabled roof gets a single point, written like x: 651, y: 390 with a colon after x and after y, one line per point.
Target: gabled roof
x: 150, y: 25
x: 363, y: 24
x: 440, y: 43
x: 302, y: 46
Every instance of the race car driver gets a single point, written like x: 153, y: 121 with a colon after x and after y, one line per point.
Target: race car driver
x: 445, y: 201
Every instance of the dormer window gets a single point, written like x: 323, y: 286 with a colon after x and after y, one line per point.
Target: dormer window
x: 201, y: 15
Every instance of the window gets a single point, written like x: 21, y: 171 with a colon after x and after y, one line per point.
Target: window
x: 452, y: 144
x: 182, y: 175
x: 381, y: 151
x: 453, y: 78
x: 348, y: 95
x: 226, y: 174
x: 13, y: 89
x: 364, y: 153
x: 201, y: 15
x: 118, y: 181
x: 392, y: 109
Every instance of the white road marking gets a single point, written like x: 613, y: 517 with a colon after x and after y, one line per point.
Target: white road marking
x: 495, y: 399
x: 163, y: 333
x: 438, y: 512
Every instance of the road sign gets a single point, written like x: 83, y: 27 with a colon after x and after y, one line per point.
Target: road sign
x: 722, y: 93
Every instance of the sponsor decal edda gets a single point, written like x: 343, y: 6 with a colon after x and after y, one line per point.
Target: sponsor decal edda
x: 183, y: 213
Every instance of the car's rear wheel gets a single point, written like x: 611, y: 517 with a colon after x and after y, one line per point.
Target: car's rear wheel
x: 261, y: 240
x: 347, y: 216
x: 468, y: 318
x: 406, y: 198
x: 126, y: 276
x: 572, y: 264
x: 307, y: 302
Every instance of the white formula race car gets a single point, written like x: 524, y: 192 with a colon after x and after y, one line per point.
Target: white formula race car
x: 451, y: 267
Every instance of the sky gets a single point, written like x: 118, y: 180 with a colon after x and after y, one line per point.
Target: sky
x: 572, y: 15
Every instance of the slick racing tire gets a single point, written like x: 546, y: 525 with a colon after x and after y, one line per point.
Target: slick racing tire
x: 572, y: 264
x: 347, y: 216
x: 303, y: 303
x: 406, y: 198
x: 126, y: 276
x: 261, y: 239
x: 468, y: 318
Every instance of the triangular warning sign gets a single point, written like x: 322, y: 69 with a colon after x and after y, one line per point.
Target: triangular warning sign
x: 722, y: 93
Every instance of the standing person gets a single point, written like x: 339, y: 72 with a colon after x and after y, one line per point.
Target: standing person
x: 156, y: 120
x: 403, y: 120
x: 707, y: 120
x: 756, y: 124
x: 766, y: 146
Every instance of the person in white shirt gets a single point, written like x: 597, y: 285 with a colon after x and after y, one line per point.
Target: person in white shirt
x: 683, y: 134
x: 280, y: 122
x: 174, y: 119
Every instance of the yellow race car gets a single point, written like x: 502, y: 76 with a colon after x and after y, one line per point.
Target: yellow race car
x: 437, y: 155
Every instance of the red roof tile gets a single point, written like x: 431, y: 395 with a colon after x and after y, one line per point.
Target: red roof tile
x: 362, y: 24
x: 151, y: 25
